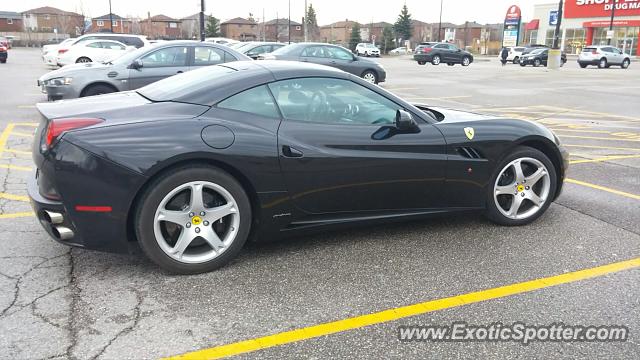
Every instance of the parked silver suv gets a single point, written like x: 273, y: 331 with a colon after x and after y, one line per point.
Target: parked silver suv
x: 603, y: 56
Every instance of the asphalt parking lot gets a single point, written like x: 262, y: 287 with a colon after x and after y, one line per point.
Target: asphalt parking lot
x: 270, y: 302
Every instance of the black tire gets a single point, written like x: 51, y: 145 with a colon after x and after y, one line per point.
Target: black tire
x: 537, y: 62
x: 3, y: 61
x: 625, y: 64
x: 523, y: 64
x: 450, y: 64
x: 516, y: 60
x: 370, y: 73
x: 602, y: 63
x: 466, y: 61
x: 97, y: 89
x: 421, y: 62
x: 492, y: 212
x: 436, y: 59
x: 583, y: 65
x: 160, y: 187
x: 83, y: 59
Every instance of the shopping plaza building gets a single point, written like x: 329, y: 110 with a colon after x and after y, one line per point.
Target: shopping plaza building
x: 586, y: 22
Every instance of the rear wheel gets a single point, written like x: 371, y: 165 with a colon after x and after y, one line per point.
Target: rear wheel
x: 516, y: 60
x: 522, y: 187
x: 436, y: 60
x: 83, y: 59
x: 625, y: 64
x: 583, y: 65
x: 466, y: 61
x: 602, y: 63
x: 370, y: 76
x: 192, y: 220
x: 537, y: 62
x: 421, y: 62
x: 450, y: 64
x: 98, y: 89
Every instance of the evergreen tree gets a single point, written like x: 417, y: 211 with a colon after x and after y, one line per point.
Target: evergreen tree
x: 312, y: 23
x: 355, y: 38
x: 213, y: 27
x: 402, y: 27
x: 387, y: 39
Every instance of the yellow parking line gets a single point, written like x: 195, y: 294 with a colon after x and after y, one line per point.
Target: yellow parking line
x: 581, y: 131
x: 26, y: 124
x: 605, y: 158
x: 15, y: 167
x: 26, y: 106
x: 586, y: 112
x: 14, y: 197
x: 600, y: 147
x: 18, y: 133
x: 4, y: 136
x: 22, y: 152
x: 357, y: 322
x: 603, y: 188
x: 16, y: 215
x: 596, y: 138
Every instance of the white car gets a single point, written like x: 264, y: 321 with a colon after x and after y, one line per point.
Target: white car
x: 127, y: 39
x: 50, y: 52
x: 400, y: 51
x: 367, y: 49
x: 515, y: 54
x: 221, y: 41
x: 93, y: 51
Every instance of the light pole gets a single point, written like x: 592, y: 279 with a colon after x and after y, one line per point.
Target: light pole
x: 110, y: 16
x: 202, y: 20
x: 440, y: 23
x: 306, y: 13
x: 556, y: 36
x: 613, y: 13
x: 289, y: 32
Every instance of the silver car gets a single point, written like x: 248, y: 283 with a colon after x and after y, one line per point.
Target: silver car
x: 603, y: 56
x: 135, y: 69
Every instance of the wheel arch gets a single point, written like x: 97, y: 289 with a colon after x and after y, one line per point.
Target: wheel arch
x: 247, y: 186
x: 104, y: 83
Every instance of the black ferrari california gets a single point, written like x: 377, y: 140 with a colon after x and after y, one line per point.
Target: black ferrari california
x: 192, y: 166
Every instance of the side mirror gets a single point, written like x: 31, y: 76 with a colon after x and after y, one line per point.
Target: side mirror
x: 405, y: 122
x: 137, y: 64
x: 355, y: 57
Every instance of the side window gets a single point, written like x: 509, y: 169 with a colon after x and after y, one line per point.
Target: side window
x: 442, y: 46
x: 95, y: 45
x: 256, y: 101
x: 171, y: 56
x: 112, y: 46
x: 313, y: 51
x: 453, y: 47
x: 205, y: 55
x: 337, y: 53
x: 332, y: 101
x: 258, y: 50
x: 228, y: 57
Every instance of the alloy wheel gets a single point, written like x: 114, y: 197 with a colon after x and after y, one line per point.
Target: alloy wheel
x: 369, y: 77
x: 436, y: 60
x: 522, y: 188
x: 465, y: 61
x: 196, y: 222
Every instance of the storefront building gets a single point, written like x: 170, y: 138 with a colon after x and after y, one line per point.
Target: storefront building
x: 586, y: 22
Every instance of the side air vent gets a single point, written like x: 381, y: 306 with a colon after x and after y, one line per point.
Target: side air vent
x: 469, y: 153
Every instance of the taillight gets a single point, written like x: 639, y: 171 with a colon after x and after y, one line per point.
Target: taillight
x: 594, y: 52
x: 426, y: 50
x: 58, y: 126
x: 62, y: 51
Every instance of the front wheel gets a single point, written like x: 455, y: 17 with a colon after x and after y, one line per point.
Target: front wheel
x: 583, y: 65
x: 602, y: 63
x: 370, y: 76
x: 193, y: 219
x: 522, y: 64
x: 522, y: 187
x: 466, y: 61
x: 625, y: 64
x: 83, y: 59
x: 421, y: 62
x: 537, y: 62
x: 516, y: 60
x: 436, y: 60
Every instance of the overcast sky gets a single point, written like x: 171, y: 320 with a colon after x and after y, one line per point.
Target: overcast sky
x: 328, y: 11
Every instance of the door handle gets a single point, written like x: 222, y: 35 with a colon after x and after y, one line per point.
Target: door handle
x: 291, y: 152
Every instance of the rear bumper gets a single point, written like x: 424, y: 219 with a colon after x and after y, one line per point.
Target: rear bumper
x: 588, y: 61
x: 3, y: 56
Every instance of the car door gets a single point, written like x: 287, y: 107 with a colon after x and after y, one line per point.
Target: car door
x: 443, y: 51
x: 159, y: 64
x: 454, y: 54
x: 613, y: 55
x: 340, y: 150
x: 544, y: 56
x: 342, y: 59
x: 110, y: 50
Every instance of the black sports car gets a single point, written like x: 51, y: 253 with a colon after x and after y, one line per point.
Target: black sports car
x: 190, y: 167
x: 540, y: 56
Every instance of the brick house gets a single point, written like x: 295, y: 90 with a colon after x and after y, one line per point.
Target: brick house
x: 47, y: 19
x: 161, y: 27
x: 240, y: 29
x: 10, y: 21
x: 120, y: 24
x: 338, y: 32
x: 276, y: 30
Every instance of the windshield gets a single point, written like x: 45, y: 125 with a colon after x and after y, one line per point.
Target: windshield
x: 285, y: 49
x: 537, y: 51
x: 180, y: 85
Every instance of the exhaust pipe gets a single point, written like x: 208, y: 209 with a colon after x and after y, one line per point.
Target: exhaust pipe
x: 62, y: 232
x: 53, y: 217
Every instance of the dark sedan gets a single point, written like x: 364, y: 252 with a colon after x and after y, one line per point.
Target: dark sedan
x: 192, y: 166
x: 330, y: 55
x: 539, y: 57
x: 4, y: 54
x: 254, y: 49
x: 437, y: 53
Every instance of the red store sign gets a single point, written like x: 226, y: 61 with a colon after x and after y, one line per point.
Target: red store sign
x: 600, y: 8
